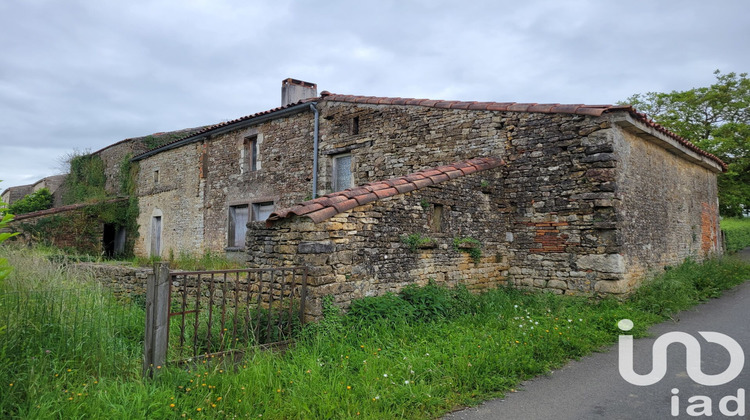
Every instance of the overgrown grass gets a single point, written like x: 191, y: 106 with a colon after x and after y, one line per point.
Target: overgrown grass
x: 417, y: 354
x: 738, y: 233
x: 189, y: 262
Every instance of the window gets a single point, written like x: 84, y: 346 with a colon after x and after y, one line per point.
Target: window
x: 342, y: 172
x: 437, y: 218
x: 250, y: 152
x: 156, y: 177
x: 238, y: 216
x: 355, y: 125
x: 261, y: 211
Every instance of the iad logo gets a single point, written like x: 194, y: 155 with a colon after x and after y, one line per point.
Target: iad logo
x: 692, y: 366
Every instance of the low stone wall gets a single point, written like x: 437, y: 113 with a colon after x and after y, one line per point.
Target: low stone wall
x: 120, y: 279
x: 362, y: 252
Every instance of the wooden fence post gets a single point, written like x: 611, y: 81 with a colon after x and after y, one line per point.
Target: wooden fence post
x: 157, y: 320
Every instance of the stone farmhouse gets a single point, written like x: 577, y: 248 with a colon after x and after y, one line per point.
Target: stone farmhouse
x: 373, y: 193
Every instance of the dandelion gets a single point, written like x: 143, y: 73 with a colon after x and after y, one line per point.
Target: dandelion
x: 171, y: 405
x: 198, y: 409
x: 278, y: 390
x: 348, y: 387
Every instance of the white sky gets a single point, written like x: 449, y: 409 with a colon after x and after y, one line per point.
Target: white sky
x: 83, y: 74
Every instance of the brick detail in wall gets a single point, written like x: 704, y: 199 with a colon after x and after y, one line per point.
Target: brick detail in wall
x: 550, y: 237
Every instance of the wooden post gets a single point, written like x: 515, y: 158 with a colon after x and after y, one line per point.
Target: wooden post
x: 157, y: 320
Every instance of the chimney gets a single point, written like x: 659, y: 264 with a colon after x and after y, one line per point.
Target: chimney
x: 293, y: 91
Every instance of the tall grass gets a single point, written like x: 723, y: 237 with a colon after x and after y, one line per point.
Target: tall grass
x: 737, y: 232
x: 57, y: 327
x: 418, y: 354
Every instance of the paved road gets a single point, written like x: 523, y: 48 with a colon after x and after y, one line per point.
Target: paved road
x: 592, y: 388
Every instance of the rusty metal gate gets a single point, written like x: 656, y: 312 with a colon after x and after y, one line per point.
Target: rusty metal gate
x: 202, y: 314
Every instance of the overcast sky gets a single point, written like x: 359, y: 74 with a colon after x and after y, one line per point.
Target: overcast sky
x: 80, y: 75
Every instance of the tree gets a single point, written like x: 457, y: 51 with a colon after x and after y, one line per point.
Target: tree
x: 716, y: 119
x: 36, y: 201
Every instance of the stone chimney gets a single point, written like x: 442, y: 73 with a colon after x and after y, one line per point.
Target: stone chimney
x: 293, y: 91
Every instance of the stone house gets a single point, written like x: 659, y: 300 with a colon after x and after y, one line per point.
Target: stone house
x: 575, y: 199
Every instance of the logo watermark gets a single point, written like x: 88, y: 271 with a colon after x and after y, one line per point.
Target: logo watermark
x: 701, y: 404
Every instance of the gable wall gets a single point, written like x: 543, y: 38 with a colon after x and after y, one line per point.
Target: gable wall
x: 668, y: 208
x: 177, y: 198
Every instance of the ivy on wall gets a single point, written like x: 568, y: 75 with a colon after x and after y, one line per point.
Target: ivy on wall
x: 82, y: 230
x: 85, y: 181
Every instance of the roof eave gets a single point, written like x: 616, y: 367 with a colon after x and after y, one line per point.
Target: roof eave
x: 227, y: 128
x: 626, y: 121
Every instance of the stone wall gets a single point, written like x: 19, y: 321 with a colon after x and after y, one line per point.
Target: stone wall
x: 362, y: 252
x: 398, y: 140
x: 119, y: 279
x: 667, y: 208
x: 566, y: 209
x: 169, y: 187
x: 112, y: 157
x: 77, y: 227
x: 283, y: 172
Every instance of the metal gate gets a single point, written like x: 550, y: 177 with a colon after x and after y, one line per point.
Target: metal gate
x: 206, y: 314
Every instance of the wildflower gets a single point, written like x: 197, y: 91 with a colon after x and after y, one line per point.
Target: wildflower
x: 278, y: 390
x: 385, y: 375
x: 377, y: 397
x: 171, y: 405
x: 348, y: 387
x: 406, y: 382
x: 198, y: 409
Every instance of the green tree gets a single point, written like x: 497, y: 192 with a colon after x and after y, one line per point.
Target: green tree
x: 717, y: 119
x: 5, y: 219
x: 36, y: 201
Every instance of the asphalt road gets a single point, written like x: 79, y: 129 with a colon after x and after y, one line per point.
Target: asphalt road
x: 592, y: 387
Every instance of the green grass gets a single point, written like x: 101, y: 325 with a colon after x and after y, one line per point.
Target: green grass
x: 418, y: 354
x: 737, y: 233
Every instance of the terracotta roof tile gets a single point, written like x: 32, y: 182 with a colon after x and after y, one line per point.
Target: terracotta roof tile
x: 317, y: 216
x: 454, y: 173
x: 366, y: 198
x: 580, y: 109
x: 325, y: 207
x: 386, y: 192
x: 346, y: 205
x: 405, y: 188
x: 436, y: 179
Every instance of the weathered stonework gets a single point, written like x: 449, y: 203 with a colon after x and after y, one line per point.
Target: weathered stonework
x: 362, y: 252
x: 587, y: 202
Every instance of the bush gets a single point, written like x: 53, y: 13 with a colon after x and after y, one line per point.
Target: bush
x: 36, y: 201
x: 415, y: 304
x: 737, y: 231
